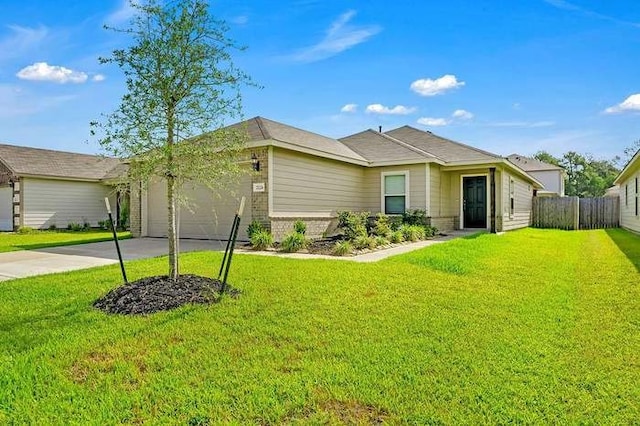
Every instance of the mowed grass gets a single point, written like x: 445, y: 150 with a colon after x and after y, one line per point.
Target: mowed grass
x: 533, y: 326
x: 13, y: 241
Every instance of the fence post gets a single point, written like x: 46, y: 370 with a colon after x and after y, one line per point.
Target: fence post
x: 576, y: 213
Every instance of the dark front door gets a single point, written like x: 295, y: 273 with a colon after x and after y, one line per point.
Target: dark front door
x: 474, y: 201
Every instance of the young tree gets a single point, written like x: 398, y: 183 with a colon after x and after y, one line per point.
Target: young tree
x: 181, y: 83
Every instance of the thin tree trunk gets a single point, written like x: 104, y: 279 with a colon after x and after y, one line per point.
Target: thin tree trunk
x: 171, y: 201
x: 171, y: 230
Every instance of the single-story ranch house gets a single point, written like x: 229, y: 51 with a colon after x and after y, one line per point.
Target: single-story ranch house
x: 303, y: 175
x: 628, y: 183
x: 41, y: 188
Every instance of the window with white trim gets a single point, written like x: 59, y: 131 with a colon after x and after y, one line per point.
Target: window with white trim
x: 512, y: 198
x: 636, y: 196
x: 394, y: 192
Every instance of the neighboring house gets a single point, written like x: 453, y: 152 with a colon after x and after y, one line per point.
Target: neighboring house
x: 550, y: 175
x: 303, y: 175
x: 40, y: 188
x: 628, y: 181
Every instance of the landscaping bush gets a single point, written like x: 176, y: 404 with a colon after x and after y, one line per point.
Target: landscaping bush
x: 104, y: 224
x: 382, y: 225
x: 300, y: 227
x: 293, y: 242
x: 26, y: 230
x: 430, y: 231
x: 364, y: 242
x: 254, y: 227
x: 261, y: 240
x: 381, y: 241
x: 342, y: 248
x: 413, y: 232
x: 74, y: 227
x: 396, y: 237
x: 415, y: 217
x: 86, y: 226
x: 353, y: 224
x: 53, y: 227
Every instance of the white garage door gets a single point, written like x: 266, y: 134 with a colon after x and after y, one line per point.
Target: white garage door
x: 6, y: 208
x: 211, y: 215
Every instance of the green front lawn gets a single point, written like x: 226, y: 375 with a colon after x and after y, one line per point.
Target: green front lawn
x: 533, y: 326
x: 12, y: 241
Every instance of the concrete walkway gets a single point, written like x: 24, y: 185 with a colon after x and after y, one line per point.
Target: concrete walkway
x: 27, y: 263
x: 367, y: 257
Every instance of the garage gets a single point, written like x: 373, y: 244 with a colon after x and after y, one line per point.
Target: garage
x: 210, y: 215
x: 6, y: 208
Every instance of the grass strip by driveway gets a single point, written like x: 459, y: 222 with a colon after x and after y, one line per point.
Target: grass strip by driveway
x: 14, y: 241
x: 533, y: 326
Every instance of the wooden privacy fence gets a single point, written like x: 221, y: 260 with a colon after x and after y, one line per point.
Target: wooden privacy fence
x: 576, y: 213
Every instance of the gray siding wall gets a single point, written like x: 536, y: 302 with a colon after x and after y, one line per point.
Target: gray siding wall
x: 628, y: 218
x: 305, y: 185
x: 551, y: 179
x: 47, y: 202
x: 417, y: 186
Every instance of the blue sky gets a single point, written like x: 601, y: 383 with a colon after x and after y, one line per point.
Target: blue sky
x: 548, y: 75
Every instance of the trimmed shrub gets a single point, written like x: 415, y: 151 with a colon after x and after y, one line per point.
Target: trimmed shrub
x: 254, y: 227
x: 381, y: 241
x: 104, y: 224
x: 300, y: 227
x: 412, y: 232
x: 353, y: 224
x: 26, y: 230
x: 53, y: 227
x: 382, y: 225
x: 364, y: 242
x: 430, y: 231
x: 74, y: 227
x: 396, y: 237
x: 342, y: 248
x: 86, y: 226
x: 261, y: 240
x: 293, y: 242
x: 415, y: 217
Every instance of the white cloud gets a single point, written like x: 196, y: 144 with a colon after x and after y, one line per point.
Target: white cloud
x: 41, y: 71
x: 21, y: 39
x: 530, y: 124
x: 349, y: 108
x: 98, y: 77
x: 123, y: 14
x: 339, y: 37
x: 462, y: 114
x: 631, y: 104
x: 16, y: 102
x: 430, y: 121
x: 240, y: 20
x: 429, y: 87
x: 396, y: 110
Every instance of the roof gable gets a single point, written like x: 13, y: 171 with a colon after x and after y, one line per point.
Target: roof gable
x: 263, y: 129
x: 632, y: 165
x: 443, y: 149
x: 531, y: 164
x: 378, y: 147
x: 59, y: 164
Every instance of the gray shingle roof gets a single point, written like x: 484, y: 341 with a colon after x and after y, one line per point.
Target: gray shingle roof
x: 443, y: 149
x: 531, y: 164
x: 377, y: 147
x: 45, y: 162
x: 260, y: 128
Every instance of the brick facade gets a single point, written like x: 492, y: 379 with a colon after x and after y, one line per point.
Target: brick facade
x: 317, y: 227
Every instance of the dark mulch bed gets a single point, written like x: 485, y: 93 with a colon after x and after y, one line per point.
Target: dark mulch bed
x: 159, y: 293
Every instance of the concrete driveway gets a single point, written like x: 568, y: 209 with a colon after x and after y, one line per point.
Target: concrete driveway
x: 19, y: 264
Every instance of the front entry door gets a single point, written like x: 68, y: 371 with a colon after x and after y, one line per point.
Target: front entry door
x: 474, y: 201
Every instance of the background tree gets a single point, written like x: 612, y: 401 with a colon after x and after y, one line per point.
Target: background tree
x: 181, y: 83
x: 586, y: 176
